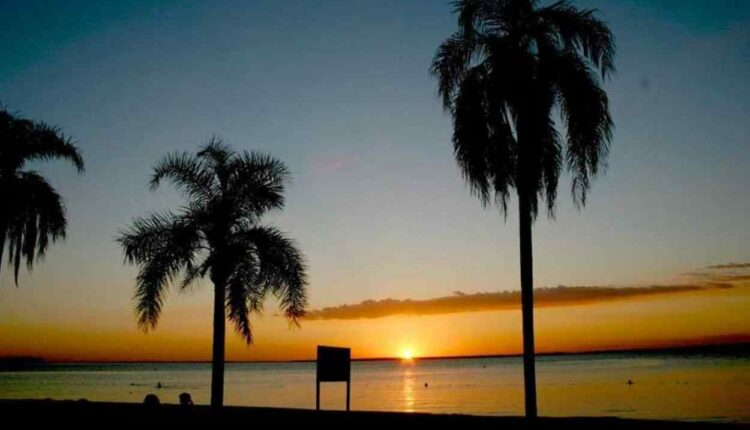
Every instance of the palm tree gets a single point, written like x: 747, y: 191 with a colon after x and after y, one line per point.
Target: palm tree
x: 510, y: 65
x: 33, y: 213
x: 218, y: 233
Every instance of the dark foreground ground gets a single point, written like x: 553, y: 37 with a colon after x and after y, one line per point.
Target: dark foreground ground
x: 80, y: 414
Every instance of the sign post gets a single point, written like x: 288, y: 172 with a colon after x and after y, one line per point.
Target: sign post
x: 333, y: 365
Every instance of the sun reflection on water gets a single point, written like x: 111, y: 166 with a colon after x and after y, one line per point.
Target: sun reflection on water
x: 409, y: 389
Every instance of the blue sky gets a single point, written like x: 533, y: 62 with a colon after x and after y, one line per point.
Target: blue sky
x: 340, y: 91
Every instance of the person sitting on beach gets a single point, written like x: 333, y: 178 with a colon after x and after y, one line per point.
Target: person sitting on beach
x: 151, y: 401
x: 185, y: 399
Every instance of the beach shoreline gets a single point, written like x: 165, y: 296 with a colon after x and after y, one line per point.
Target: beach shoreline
x: 82, y: 412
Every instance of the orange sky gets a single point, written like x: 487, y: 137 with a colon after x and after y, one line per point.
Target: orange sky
x: 376, y: 202
x: 184, y: 334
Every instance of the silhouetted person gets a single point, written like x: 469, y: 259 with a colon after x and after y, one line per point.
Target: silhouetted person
x: 158, y: 385
x: 185, y: 399
x: 151, y: 401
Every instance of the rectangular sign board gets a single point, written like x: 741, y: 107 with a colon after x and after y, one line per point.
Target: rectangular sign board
x: 333, y: 365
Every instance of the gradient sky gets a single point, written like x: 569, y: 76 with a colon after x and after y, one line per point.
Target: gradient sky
x: 340, y: 91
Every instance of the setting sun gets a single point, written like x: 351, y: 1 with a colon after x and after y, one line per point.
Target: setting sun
x: 407, y: 354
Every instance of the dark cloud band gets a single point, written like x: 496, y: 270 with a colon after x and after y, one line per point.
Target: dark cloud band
x: 730, y: 266
x: 721, y: 276
x: 461, y: 302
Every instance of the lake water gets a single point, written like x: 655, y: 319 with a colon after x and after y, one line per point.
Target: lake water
x: 665, y: 386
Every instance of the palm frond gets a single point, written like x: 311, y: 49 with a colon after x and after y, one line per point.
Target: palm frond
x: 48, y: 142
x: 243, y: 298
x: 189, y: 174
x: 192, y: 273
x: 471, y: 133
x: 36, y: 217
x: 449, y: 66
x: 150, y: 236
x: 550, y: 164
x: 257, y: 182
x: 151, y: 287
x: 281, y: 269
x: 584, y: 107
x: 581, y: 30
x: 217, y: 154
x: 163, y: 246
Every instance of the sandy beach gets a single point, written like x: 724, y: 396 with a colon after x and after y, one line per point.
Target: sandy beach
x: 100, y: 413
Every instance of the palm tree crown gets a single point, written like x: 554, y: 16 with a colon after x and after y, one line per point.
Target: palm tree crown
x: 217, y: 233
x: 503, y: 74
x: 33, y: 212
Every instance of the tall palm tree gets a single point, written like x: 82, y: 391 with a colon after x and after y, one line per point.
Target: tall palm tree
x: 33, y: 213
x: 502, y: 75
x: 218, y: 233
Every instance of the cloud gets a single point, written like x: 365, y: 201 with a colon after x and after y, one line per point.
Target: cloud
x: 727, y: 273
x: 322, y: 164
x: 728, y: 278
x: 730, y: 266
x: 494, y: 301
x: 719, y: 276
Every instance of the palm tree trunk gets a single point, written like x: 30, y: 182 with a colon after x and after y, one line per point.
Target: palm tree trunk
x: 217, y: 365
x: 527, y: 304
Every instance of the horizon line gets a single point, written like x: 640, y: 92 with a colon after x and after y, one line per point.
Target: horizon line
x: 702, y: 347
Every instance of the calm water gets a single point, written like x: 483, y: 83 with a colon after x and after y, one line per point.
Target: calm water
x: 665, y: 386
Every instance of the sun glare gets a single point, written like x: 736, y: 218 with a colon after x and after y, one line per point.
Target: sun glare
x: 407, y: 355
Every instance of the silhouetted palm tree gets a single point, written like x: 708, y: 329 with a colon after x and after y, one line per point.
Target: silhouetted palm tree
x: 33, y: 213
x: 218, y: 233
x: 502, y: 75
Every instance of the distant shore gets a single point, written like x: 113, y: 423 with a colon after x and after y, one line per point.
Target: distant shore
x: 731, y: 349
x: 103, y: 414
x: 741, y: 349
